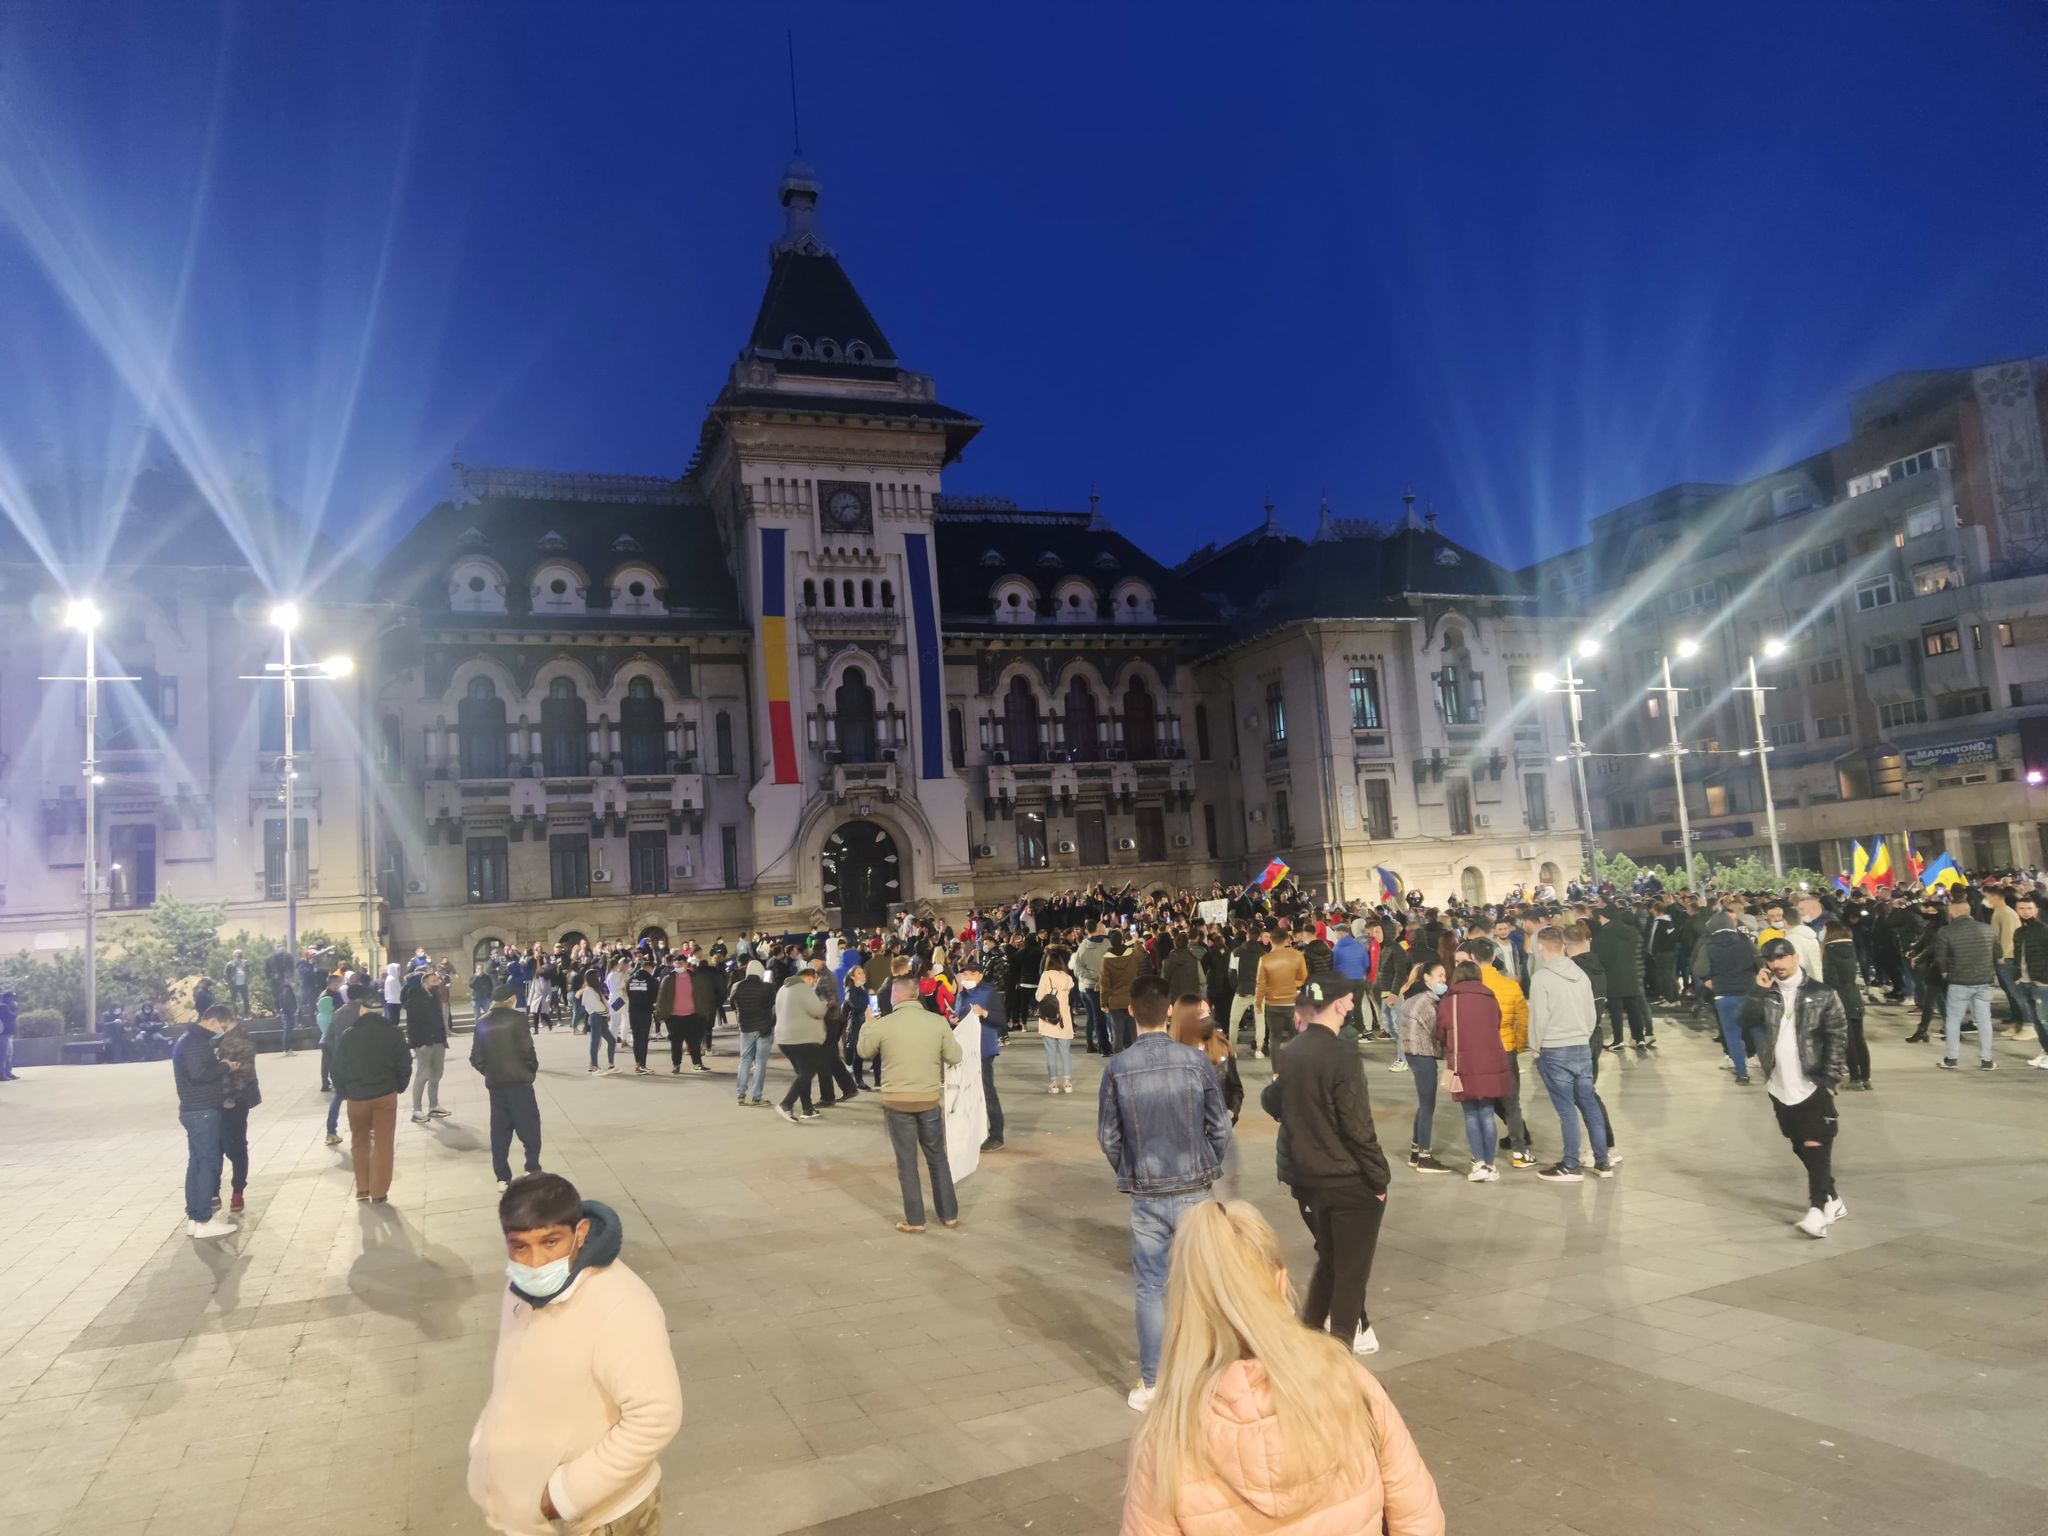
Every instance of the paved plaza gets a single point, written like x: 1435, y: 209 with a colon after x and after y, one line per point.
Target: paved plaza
x: 1656, y: 1353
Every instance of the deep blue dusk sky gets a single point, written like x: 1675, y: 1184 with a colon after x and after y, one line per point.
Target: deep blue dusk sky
x: 1535, y: 261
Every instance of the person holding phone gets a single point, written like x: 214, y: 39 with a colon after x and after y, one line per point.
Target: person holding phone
x: 1799, y: 1035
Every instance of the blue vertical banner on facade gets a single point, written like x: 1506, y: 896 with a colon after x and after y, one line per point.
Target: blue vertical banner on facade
x: 931, y: 671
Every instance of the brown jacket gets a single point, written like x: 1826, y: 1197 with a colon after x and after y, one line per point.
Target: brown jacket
x: 1282, y: 970
x: 1118, y: 972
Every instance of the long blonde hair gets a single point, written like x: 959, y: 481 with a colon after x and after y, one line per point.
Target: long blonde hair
x: 1224, y: 1304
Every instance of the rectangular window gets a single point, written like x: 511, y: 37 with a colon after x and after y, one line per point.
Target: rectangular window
x: 1936, y: 576
x: 391, y: 878
x: 1536, y: 801
x: 1202, y: 732
x: 489, y: 876
x: 1458, y: 803
x: 1811, y: 562
x: 1826, y: 726
x: 1379, y: 809
x: 1954, y: 706
x: 647, y: 853
x: 1276, y: 713
x: 1283, y: 819
x: 1699, y: 595
x: 1717, y: 800
x: 1031, y: 852
x: 131, y: 877
x: 1151, y: 833
x: 1885, y: 653
x: 2005, y: 635
x: 1911, y: 712
x: 1922, y: 463
x: 1941, y: 642
x: 273, y: 857
x: 1365, y: 699
x: 1827, y: 670
x: 1787, y: 733
x: 1209, y: 829
x: 1876, y: 592
x: 569, y: 865
x: 1923, y: 520
x: 729, y: 856
x: 1461, y: 697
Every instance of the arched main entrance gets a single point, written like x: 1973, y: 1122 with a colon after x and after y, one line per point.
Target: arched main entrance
x: 1473, y: 885
x: 863, y: 874
x: 1548, y: 875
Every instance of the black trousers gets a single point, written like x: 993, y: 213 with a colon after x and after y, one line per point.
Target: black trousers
x: 678, y: 1028
x: 234, y: 1145
x: 1279, y: 1028
x: 697, y: 1036
x: 514, y: 1109
x: 1859, y: 1053
x: 1810, y: 1126
x: 995, y: 1104
x: 1637, y: 1012
x: 1604, y: 1112
x: 1344, y: 1219
x: 833, y: 1072
x: 804, y: 1061
x: 642, y: 1028
x: 1663, y: 978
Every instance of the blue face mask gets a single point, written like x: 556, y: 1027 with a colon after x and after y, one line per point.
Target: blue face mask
x: 1438, y: 988
x: 544, y: 1280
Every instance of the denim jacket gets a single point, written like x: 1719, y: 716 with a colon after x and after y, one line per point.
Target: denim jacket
x: 1160, y: 1118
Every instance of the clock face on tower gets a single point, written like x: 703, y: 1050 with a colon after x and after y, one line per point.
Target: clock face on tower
x: 843, y: 507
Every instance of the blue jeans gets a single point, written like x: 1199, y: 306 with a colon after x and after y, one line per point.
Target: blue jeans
x: 601, y: 1032
x: 334, y: 1115
x: 1482, y: 1135
x: 1059, y: 1058
x: 202, y: 1161
x: 1729, y: 1011
x: 1154, y: 1219
x: 1567, y: 1072
x: 1098, y: 1022
x: 755, y: 1049
x: 6, y: 1055
x: 1423, y: 1070
x: 2036, y: 995
x: 1975, y: 1001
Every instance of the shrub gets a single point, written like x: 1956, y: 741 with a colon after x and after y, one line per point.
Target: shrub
x: 39, y: 1024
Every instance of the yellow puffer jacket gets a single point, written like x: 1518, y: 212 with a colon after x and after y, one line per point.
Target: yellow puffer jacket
x: 1514, y: 1008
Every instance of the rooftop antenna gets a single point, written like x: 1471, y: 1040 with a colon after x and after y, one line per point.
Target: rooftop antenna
x: 796, y: 131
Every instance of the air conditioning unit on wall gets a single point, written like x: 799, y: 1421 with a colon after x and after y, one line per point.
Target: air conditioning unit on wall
x: 415, y: 887
x: 1525, y: 850
x: 1180, y: 839
x: 984, y: 851
x: 1482, y: 821
x: 600, y: 877
x: 1066, y: 847
x: 1126, y: 844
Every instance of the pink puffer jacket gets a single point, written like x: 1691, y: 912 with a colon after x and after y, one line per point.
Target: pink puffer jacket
x: 1245, y: 1499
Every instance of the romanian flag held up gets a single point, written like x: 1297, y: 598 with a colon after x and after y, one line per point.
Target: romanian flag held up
x: 1913, y: 860
x: 1271, y: 876
x: 1859, y: 864
x: 1880, y: 877
x: 1390, y: 883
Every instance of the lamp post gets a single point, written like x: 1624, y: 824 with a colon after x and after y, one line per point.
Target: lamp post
x: 1686, y: 648
x: 1756, y: 692
x: 286, y: 617
x: 1571, y: 686
x: 83, y: 615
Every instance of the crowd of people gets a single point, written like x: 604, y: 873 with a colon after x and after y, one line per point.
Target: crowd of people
x: 1180, y: 993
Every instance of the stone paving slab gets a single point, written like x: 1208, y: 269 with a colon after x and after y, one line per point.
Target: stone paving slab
x: 1658, y: 1352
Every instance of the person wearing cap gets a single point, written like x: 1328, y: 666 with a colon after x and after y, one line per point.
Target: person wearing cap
x: 1338, y: 1172
x: 502, y: 1050
x: 1799, y: 1035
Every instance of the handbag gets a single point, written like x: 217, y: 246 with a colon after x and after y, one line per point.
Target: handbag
x: 1452, y: 1082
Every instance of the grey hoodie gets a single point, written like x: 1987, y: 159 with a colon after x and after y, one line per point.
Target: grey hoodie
x: 1087, y: 962
x: 1561, y: 1010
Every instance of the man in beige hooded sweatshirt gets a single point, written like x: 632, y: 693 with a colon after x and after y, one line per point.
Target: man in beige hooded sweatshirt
x: 584, y: 1392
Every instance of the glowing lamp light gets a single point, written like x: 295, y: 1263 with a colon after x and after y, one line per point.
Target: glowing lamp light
x: 285, y: 616
x: 1544, y: 681
x: 1562, y: 757
x: 1589, y: 646
x: 2033, y: 776
x: 1775, y: 647
x: 338, y: 666
x: 82, y: 614
x: 1688, y: 647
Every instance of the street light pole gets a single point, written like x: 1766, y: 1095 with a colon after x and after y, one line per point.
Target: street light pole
x: 1568, y: 685
x: 1763, y: 752
x: 1685, y: 648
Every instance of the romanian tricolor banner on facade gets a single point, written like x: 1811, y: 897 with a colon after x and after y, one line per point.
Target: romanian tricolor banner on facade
x: 775, y: 652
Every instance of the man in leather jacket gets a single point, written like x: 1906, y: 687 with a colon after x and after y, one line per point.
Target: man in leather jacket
x: 1795, y: 1027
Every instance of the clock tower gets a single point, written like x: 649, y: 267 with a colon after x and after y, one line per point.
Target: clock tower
x: 823, y: 457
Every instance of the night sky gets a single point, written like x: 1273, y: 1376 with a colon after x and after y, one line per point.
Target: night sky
x: 1532, y: 261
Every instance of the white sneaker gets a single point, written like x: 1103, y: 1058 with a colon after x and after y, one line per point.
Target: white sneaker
x: 503, y: 1185
x: 1814, y: 1223
x: 1835, y: 1209
x: 1482, y: 1173
x: 1398, y: 1066
x: 1140, y: 1397
x: 2040, y: 1061
x: 1052, y: 1087
x: 1365, y: 1342
x: 219, y: 1226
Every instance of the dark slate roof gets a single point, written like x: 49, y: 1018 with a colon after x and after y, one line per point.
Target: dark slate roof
x: 849, y: 405
x: 1042, y: 547
x: 677, y: 536
x: 810, y: 295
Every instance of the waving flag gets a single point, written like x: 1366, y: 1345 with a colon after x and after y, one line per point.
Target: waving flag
x: 1390, y: 883
x: 1271, y: 876
x: 1859, y: 864
x: 1914, y: 862
x: 1881, y: 867
x: 1942, y: 872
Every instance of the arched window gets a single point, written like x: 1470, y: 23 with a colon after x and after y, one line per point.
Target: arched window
x: 829, y: 592
x: 1020, y: 720
x: 867, y: 593
x: 854, y: 704
x: 846, y: 589
x: 1141, y: 722
x: 641, y: 726
x: 1084, y: 723
x: 722, y: 741
x: 888, y: 594
x: 564, y: 731
x: 1202, y: 732
x: 956, y: 733
x: 480, y: 722
x: 810, y: 594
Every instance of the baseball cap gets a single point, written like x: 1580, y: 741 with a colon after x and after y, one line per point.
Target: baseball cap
x: 1778, y: 948
x: 1324, y: 990
x: 504, y: 995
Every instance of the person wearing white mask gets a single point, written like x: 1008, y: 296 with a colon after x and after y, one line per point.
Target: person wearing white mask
x: 1421, y: 1046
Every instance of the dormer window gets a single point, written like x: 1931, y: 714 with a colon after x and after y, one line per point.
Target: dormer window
x: 1106, y: 561
x: 796, y: 346
x: 1132, y: 603
x: 857, y: 352
x: 828, y: 349
x: 1016, y: 602
x: 991, y: 557
x: 625, y: 544
x: 553, y: 542
x: 1047, y: 560
x: 476, y: 586
x: 1074, y: 603
x: 558, y: 588
x: 637, y: 589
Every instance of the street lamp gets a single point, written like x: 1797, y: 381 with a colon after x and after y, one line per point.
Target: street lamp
x: 1773, y: 648
x: 285, y: 616
x: 1686, y: 649
x: 83, y: 615
x: 1572, y: 686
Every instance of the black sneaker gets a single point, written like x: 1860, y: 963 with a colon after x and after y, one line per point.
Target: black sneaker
x: 1605, y: 1170
x: 1649, y: 1042
x: 1428, y: 1164
x: 1987, y: 1066
x: 1947, y: 1064
x: 1560, y: 1173
x: 1414, y: 1155
x: 991, y: 1145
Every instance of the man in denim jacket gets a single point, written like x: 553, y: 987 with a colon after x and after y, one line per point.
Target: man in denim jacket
x: 1162, y: 1124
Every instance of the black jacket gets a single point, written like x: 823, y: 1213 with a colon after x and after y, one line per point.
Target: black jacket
x: 1269, y: 1101
x: 1619, y: 944
x: 1327, y: 1114
x: 425, y: 1023
x: 502, y: 1049
x: 2030, y: 945
x: 1596, y: 973
x: 371, y: 1058
x: 1820, y: 1026
x: 1838, y: 969
x: 1247, y: 978
x: 754, y: 1001
x: 200, y: 1075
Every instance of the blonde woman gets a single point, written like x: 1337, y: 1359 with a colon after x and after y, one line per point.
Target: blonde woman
x: 1262, y: 1425
x: 1056, y: 1021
